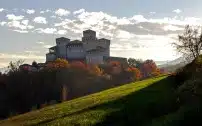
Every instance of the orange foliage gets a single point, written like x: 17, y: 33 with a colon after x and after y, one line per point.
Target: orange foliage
x: 78, y: 64
x: 58, y: 63
x: 135, y: 71
x: 156, y: 72
x: 94, y: 69
x: 148, y: 67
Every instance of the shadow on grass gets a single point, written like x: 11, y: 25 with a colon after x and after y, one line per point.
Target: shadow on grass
x: 141, y: 107
x: 138, y: 108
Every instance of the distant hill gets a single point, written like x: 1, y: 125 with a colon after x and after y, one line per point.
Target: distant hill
x: 171, y: 66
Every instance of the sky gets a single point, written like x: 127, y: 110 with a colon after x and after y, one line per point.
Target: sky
x: 141, y: 29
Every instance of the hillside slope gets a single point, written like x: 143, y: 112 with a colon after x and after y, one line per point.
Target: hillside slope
x: 132, y: 104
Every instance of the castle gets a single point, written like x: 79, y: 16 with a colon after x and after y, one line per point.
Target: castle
x: 90, y: 49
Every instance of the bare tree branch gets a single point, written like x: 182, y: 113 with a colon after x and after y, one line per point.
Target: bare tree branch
x: 190, y: 42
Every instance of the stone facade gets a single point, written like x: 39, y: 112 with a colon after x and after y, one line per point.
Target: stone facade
x: 90, y: 49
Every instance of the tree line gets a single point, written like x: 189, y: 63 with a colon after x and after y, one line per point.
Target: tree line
x: 23, y: 90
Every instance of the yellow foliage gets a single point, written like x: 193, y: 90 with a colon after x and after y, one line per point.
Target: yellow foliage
x: 96, y: 70
x: 58, y: 63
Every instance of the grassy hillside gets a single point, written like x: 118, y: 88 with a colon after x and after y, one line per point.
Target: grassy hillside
x: 132, y: 104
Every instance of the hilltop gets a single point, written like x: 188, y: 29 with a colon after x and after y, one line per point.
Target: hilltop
x: 131, y: 104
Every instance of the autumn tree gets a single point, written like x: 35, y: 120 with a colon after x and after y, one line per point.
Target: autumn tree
x: 58, y: 63
x: 156, y: 72
x: 77, y: 64
x: 94, y: 69
x: 148, y: 67
x: 136, y: 74
x: 135, y: 62
x: 190, y: 42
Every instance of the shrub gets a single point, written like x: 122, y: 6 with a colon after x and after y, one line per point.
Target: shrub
x: 190, y: 91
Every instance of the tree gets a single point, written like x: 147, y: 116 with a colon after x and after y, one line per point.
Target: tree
x: 58, y: 63
x: 14, y: 66
x: 148, y: 67
x: 78, y: 65
x: 136, y: 74
x: 190, y: 42
x: 135, y: 62
x: 34, y: 64
x: 94, y: 69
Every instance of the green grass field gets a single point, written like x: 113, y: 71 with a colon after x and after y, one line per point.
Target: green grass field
x: 132, y: 104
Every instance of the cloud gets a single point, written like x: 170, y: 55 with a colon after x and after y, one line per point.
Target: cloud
x: 152, y: 12
x: 47, y: 10
x: 177, y: 11
x: 53, y: 16
x: 79, y: 11
x: 41, y: 43
x: 124, y: 35
x: 138, y: 18
x: 63, y: 23
x: 46, y: 30
x: 18, y: 24
x: 13, y: 17
x: 62, y: 12
x: 135, y: 36
x: 21, y: 31
x: 1, y: 9
x: 40, y: 20
x: 172, y: 28
x: 31, y: 52
x: 42, y: 12
x: 25, y: 22
x: 47, y: 46
x: 61, y: 32
x: 20, y: 56
x: 3, y: 23
x: 30, y: 11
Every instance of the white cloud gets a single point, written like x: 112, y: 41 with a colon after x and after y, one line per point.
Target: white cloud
x: 18, y: 24
x: 25, y: 22
x: 62, y: 12
x: 46, y: 30
x: 63, y: 23
x: 13, y: 17
x: 53, y: 16
x: 41, y: 43
x: 14, y: 56
x: 124, y: 35
x: 42, y: 12
x: 79, y: 11
x: 61, y: 32
x: 3, y: 64
x: 3, y: 23
x: 172, y: 28
x: 47, y: 46
x: 30, y: 11
x: 138, y: 18
x: 48, y: 10
x: 21, y: 31
x: 177, y: 11
x: 152, y: 12
x: 1, y: 9
x: 31, y: 52
x: 40, y: 20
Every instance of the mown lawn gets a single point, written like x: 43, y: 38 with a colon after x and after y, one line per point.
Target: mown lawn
x: 132, y: 104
